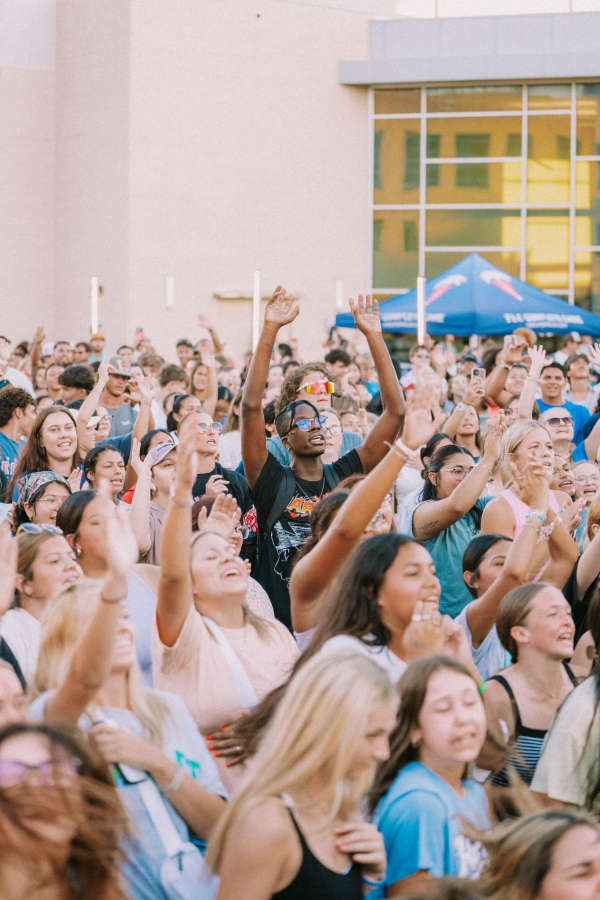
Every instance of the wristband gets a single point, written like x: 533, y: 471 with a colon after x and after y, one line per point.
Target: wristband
x: 404, y: 449
x: 536, y: 513
x: 482, y: 687
x: 531, y: 525
x: 145, y: 403
x: 531, y: 378
x: 485, y: 466
x: 504, y: 365
x: 173, y: 785
x: 372, y: 881
x: 188, y: 503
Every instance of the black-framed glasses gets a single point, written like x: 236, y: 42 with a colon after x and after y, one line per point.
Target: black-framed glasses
x: 307, y: 424
x: 32, y: 528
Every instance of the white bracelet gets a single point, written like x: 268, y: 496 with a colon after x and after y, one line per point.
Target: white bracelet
x: 404, y: 449
x: 173, y: 785
x: 461, y: 406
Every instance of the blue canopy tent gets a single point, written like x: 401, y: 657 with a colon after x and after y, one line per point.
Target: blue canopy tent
x: 475, y: 297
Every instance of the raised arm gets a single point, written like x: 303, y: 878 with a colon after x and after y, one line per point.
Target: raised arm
x: 314, y: 572
x: 474, y: 393
x: 563, y: 550
x: 92, y: 657
x: 529, y: 392
x: 142, y: 425
x: 385, y: 430
x: 36, y: 348
x: 212, y: 388
x: 139, y: 516
x: 203, y: 322
x: 429, y: 519
x: 535, y: 492
x: 494, y: 385
x: 175, y: 585
x: 88, y: 407
x: 280, y: 311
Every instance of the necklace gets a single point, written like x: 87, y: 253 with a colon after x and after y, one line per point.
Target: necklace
x: 307, y: 496
x: 536, y: 687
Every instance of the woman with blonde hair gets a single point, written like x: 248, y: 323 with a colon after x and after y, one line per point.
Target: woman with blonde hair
x: 45, y: 566
x: 294, y: 828
x: 88, y: 675
x: 508, y: 513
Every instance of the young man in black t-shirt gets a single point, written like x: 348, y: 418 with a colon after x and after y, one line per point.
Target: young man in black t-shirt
x: 285, y: 495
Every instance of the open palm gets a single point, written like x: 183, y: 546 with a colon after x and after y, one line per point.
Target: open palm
x: 366, y: 314
x: 280, y: 310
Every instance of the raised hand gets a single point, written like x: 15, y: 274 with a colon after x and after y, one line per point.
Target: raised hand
x: 147, y: 388
x: 121, y: 546
x: 495, y: 432
x: 142, y: 468
x: 203, y: 322
x: 366, y: 314
x: 474, y: 393
x: 9, y: 552
x: 537, y: 355
x: 280, y: 310
x: 514, y: 354
x: 532, y: 484
x: 186, y: 469
x: 571, y: 517
x: 75, y: 480
x: 224, y: 516
x: 419, y: 427
x: 40, y: 335
x: 595, y: 354
x: 104, y: 370
x: 4, y: 350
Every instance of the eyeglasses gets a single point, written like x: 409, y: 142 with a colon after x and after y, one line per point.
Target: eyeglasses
x: 307, y: 424
x: 32, y: 528
x: 421, y: 356
x: 51, y: 772
x: 335, y: 429
x: 203, y: 428
x: 458, y: 471
x: 51, y: 501
x: 556, y: 420
x: 316, y: 387
x: 243, y: 531
x: 583, y: 479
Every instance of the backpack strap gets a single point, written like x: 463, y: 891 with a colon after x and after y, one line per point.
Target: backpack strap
x: 331, y: 476
x: 285, y: 492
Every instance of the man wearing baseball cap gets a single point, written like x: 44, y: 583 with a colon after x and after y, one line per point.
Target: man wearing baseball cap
x: 122, y: 416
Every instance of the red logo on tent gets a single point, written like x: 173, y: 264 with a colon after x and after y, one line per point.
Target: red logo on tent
x: 445, y: 285
x: 500, y: 280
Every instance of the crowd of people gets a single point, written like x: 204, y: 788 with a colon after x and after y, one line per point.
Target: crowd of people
x: 283, y: 628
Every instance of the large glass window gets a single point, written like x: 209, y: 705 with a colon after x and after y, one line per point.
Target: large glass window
x: 509, y: 171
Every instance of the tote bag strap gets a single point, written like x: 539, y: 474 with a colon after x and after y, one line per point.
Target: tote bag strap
x: 161, y: 819
x: 237, y: 670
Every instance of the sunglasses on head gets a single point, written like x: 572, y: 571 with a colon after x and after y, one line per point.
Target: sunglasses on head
x: 307, y: 424
x: 315, y: 387
x: 32, y: 528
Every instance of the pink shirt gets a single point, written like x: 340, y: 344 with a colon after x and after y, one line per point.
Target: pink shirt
x: 520, y: 510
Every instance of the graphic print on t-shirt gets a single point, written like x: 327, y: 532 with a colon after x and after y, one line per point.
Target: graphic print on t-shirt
x: 291, y: 531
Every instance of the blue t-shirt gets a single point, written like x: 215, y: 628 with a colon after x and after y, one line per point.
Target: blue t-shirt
x: 420, y: 820
x: 580, y: 414
x: 9, y: 456
x: 122, y: 443
x: 447, y: 549
x: 490, y: 656
x: 185, y: 746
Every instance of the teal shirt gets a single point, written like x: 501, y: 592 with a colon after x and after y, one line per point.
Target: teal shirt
x: 447, y: 549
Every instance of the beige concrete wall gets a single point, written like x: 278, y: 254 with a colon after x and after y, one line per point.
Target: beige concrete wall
x: 245, y: 153
x: 27, y: 87
x: 92, y: 153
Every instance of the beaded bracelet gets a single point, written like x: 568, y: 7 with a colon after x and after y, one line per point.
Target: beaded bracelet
x: 531, y: 525
x: 537, y: 514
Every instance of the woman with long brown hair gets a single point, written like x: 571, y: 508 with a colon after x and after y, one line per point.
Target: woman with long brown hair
x: 203, y: 383
x: 423, y: 793
x: 51, y: 446
x: 61, y: 819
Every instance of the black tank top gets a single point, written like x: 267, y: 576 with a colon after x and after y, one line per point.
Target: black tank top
x: 315, y: 881
x: 528, y: 743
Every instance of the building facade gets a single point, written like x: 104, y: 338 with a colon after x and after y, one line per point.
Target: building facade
x: 173, y: 149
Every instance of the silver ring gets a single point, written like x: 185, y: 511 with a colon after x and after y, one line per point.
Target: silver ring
x: 238, y: 749
x: 416, y: 618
